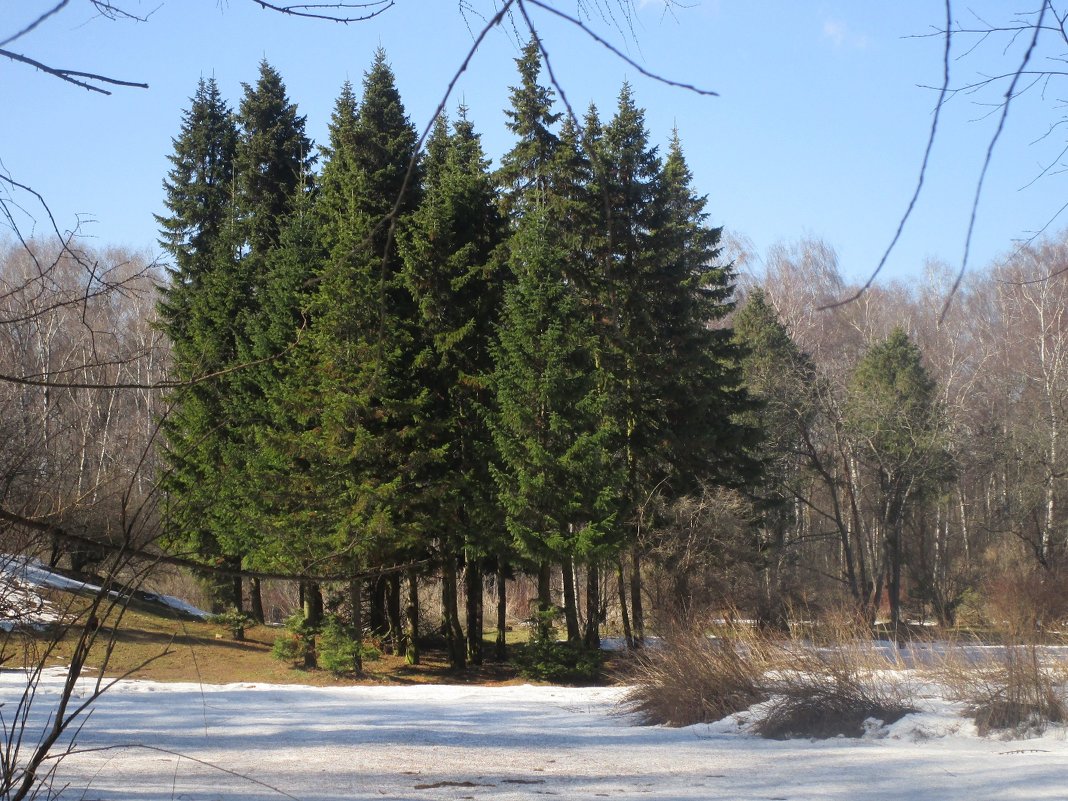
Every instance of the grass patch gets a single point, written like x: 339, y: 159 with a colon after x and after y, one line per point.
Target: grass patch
x: 203, y: 651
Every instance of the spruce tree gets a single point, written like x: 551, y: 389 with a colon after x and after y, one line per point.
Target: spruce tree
x: 894, y: 414
x: 699, y: 376
x: 780, y: 381
x: 273, y: 161
x: 360, y: 349
x: 672, y: 376
x: 197, y: 194
x: 452, y: 271
x: 197, y: 310
x: 525, y: 170
x: 548, y: 424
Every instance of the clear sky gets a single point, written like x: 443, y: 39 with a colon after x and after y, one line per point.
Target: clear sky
x: 818, y: 130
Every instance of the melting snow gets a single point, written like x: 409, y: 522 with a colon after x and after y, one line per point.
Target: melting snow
x: 157, y: 742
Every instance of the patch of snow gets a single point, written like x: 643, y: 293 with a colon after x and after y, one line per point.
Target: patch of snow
x: 255, y: 742
x: 22, y: 572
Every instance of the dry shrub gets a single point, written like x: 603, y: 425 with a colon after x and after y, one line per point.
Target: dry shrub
x: 824, y: 685
x: 692, y: 677
x: 1009, y: 689
x: 831, y: 687
x: 1026, y: 602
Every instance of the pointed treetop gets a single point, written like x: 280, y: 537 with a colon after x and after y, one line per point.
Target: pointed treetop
x: 531, y: 118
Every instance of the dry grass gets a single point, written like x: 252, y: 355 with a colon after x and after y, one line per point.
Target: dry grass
x: 146, y: 646
x: 807, y: 688
x: 693, y: 678
x: 1008, y: 689
x: 834, y: 689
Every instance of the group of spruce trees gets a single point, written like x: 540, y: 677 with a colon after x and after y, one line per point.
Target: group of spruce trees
x: 407, y: 359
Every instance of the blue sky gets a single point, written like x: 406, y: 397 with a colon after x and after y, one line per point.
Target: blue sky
x: 818, y: 129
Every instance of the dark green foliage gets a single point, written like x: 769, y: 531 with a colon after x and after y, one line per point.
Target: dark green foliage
x: 230, y: 195
x: 781, y: 383
x: 553, y: 469
x: 420, y: 361
x: 273, y: 160
x: 235, y: 621
x: 338, y: 650
x: 197, y: 312
x: 526, y: 170
x: 197, y: 195
x: 298, y: 639
x: 355, y: 391
x: 670, y: 373
x: 699, y: 372
x: 546, y: 659
x: 454, y: 274
x: 894, y: 413
x: 893, y: 404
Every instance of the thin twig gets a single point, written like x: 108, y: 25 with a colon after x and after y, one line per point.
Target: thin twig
x: 989, y: 155
x: 923, y: 170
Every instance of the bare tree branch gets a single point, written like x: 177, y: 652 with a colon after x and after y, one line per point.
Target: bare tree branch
x: 923, y: 170
x: 45, y: 15
x: 370, y: 10
x: 578, y: 23
x: 86, y: 80
x: 1009, y: 93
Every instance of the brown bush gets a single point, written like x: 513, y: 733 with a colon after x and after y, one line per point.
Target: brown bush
x: 1009, y: 689
x: 692, y: 677
x: 832, y: 687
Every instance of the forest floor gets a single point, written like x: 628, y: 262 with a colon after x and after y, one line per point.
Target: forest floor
x: 147, y: 646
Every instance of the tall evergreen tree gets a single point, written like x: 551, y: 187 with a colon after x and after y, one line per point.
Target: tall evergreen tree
x: 699, y: 380
x: 197, y: 315
x: 452, y: 271
x: 361, y: 346
x: 894, y: 412
x: 525, y: 170
x: 198, y: 195
x: 273, y: 162
x: 548, y: 425
x: 272, y: 167
x: 672, y: 375
x: 780, y: 380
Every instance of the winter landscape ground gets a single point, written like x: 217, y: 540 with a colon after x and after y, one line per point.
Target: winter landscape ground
x: 160, y: 742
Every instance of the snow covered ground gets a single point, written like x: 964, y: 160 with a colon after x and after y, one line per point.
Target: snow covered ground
x: 162, y: 742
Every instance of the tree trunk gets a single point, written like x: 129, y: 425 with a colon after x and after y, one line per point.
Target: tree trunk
x: 454, y: 633
x: 473, y: 585
x: 377, y: 618
x: 637, y: 614
x: 574, y: 635
x: 411, y: 616
x: 393, y: 610
x: 545, y: 601
x: 592, y: 639
x: 255, y: 600
x: 313, y: 617
x: 501, y: 645
x: 621, y: 588
x: 356, y: 622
